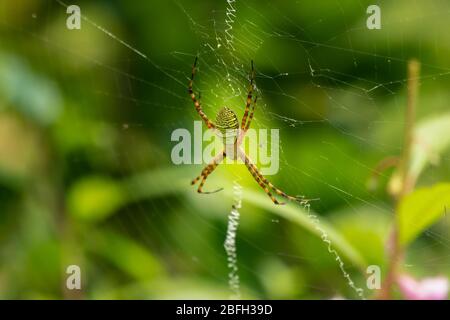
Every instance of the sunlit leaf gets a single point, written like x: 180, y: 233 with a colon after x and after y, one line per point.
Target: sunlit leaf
x: 95, y: 198
x: 420, y: 209
x: 366, y: 231
x: 298, y: 215
x: 172, y: 180
x: 126, y: 255
x: 279, y: 280
x: 431, y: 138
x: 176, y: 288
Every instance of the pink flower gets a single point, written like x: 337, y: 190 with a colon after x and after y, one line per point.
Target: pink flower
x: 426, y: 289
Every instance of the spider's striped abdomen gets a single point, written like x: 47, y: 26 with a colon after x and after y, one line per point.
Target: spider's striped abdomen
x: 226, y: 119
x: 228, y: 125
x: 227, y: 122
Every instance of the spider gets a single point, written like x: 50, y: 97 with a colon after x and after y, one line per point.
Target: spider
x: 227, y: 127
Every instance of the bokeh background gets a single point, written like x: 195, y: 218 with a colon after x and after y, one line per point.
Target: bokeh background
x: 86, y: 118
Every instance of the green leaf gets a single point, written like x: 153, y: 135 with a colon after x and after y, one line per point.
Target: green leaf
x: 95, y: 198
x: 431, y: 138
x: 175, y: 180
x: 126, y: 254
x: 420, y: 209
x: 298, y: 215
x: 366, y: 231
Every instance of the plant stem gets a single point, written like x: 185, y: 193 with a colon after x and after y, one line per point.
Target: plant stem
x: 396, y: 252
x: 413, y: 77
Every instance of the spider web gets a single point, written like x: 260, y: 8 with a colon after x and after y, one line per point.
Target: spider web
x: 238, y: 33
x: 352, y: 89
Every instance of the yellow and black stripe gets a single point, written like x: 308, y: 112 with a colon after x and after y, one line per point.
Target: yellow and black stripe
x: 226, y: 120
x: 263, y: 182
x: 249, y: 99
x: 205, y: 173
x: 197, y: 105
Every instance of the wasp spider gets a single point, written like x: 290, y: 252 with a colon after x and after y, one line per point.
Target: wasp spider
x: 227, y: 126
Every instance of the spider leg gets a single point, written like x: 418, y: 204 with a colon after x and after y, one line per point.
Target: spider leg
x: 250, y: 118
x: 243, y: 132
x: 217, y: 159
x: 263, y: 185
x: 197, y: 105
x: 252, y: 168
x: 206, y: 172
x: 249, y: 98
x: 257, y: 176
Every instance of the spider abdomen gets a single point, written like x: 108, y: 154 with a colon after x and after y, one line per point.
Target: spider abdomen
x: 226, y: 120
x: 227, y: 124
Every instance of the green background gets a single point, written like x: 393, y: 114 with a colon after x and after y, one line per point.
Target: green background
x: 85, y: 122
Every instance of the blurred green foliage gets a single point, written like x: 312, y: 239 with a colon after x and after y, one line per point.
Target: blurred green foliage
x: 85, y: 123
x: 421, y: 209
